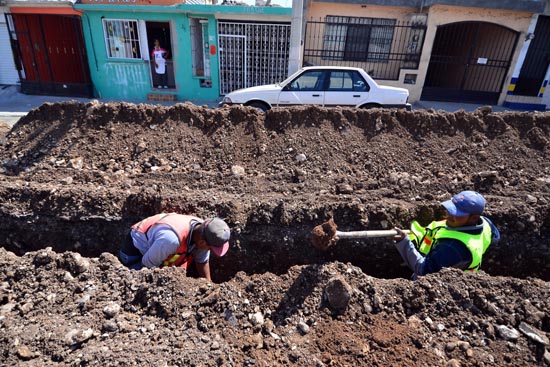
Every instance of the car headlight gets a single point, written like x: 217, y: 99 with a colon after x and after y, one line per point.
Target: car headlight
x: 227, y: 100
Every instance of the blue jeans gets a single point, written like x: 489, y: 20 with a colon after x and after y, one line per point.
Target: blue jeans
x: 129, y: 255
x: 132, y: 262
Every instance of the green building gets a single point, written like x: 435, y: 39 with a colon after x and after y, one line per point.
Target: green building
x: 210, y: 49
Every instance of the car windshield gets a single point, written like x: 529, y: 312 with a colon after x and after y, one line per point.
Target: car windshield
x: 287, y: 80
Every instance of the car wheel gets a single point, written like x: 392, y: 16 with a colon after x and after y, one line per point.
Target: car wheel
x: 368, y: 106
x: 260, y: 106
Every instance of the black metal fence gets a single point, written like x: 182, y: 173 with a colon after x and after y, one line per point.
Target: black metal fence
x: 380, y: 46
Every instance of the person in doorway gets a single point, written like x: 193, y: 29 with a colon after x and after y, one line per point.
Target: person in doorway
x: 159, y: 56
x: 459, y: 241
x: 171, y: 239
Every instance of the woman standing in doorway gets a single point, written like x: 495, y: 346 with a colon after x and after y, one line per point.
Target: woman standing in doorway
x: 159, y: 56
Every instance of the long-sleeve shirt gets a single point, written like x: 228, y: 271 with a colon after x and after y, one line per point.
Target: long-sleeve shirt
x: 445, y: 252
x: 160, y: 242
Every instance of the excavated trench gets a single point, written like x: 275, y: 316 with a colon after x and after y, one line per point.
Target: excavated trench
x: 260, y: 247
x: 76, y: 176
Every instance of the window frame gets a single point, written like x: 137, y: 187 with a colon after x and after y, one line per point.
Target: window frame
x: 341, y: 31
x: 351, y: 75
x: 319, y: 86
x: 135, y: 43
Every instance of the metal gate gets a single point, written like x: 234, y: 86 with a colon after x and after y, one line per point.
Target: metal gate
x: 469, y: 62
x: 51, y: 52
x: 252, y: 54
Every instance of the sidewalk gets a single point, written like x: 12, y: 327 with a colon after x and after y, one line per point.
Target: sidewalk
x: 454, y: 106
x: 14, y: 105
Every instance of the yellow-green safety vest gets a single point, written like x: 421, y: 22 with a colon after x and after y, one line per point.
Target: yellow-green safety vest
x: 477, y: 244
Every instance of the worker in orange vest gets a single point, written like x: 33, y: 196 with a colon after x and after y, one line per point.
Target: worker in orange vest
x: 171, y: 239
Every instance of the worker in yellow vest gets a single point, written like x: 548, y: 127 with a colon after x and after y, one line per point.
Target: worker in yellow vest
x: 171, y: 239
x: 458, y: 241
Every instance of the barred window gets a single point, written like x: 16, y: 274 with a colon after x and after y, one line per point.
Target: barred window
x: 357, y: 39
x: 122, y: 38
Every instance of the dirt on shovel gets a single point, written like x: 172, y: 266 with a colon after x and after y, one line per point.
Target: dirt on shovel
x: 324, y: 235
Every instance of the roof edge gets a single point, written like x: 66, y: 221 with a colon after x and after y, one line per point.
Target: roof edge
x: 532, y: 6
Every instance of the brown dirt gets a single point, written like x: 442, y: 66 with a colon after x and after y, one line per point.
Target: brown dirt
x: 75, y: 176
x: 323, y: 236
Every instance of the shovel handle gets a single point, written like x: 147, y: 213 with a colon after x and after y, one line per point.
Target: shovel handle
x: 369, y: 234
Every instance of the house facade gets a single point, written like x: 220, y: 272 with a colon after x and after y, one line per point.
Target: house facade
x: 459, y: 51
x: 210, y: 49
x: 48, y: 48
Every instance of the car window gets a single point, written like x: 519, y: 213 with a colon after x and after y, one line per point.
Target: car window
x: 311, y: 80
x: 347, y: 81
x: 359, y: 84
x: 340, y: 81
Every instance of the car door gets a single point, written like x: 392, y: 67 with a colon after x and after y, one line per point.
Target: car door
x: 305, y: 89
x: 346, y: 88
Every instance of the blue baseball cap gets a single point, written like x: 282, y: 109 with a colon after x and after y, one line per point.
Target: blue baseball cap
x: 465, y: 203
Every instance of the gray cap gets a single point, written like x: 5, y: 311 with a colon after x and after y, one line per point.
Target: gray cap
x: 216, y: 233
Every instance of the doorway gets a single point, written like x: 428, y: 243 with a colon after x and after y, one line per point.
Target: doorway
x: 161, y: 31
x: 469, y: 62
x: 50, y: 54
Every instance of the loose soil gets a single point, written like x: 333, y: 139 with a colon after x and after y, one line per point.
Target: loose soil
x: 75, y: 176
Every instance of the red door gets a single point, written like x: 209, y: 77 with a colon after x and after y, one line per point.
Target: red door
x: 32, y: 47
x: 64, y: 48
x: 52, y: 53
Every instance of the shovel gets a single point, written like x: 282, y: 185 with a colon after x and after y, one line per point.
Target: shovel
x: 325, y: 235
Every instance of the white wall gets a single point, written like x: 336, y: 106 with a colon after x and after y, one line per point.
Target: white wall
x: 8, y: 73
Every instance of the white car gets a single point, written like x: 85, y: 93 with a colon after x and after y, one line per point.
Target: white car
x: 326, y: 86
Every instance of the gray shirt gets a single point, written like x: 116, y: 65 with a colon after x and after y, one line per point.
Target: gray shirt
x: 161, y: 242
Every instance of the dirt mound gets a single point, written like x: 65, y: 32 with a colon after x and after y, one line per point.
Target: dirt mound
x: 62, y: 309
x: 75, y: 176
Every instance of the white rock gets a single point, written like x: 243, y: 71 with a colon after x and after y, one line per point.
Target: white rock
x: 76, y: 163
x: 533, y: 334
x: 303, y: 327
x: 237, y: 170
x: 111, y: 310
x: 256, y: 318
x: 530, y: 199
x: 507, y: 333
x: 76, y: 336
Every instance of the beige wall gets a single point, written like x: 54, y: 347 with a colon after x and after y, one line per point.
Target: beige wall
x: 440, y: 15
x: 319, y: 10
x: 437, y: 15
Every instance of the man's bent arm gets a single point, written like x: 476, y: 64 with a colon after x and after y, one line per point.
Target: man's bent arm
x: 204, y: 270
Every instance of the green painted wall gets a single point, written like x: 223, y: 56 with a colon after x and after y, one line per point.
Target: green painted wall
x: 129, y: 79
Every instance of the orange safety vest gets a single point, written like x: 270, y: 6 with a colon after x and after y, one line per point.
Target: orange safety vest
x: 181, y: 224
